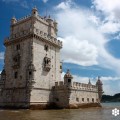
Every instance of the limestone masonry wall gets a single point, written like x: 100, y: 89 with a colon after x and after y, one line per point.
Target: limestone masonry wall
x: 32, y: 72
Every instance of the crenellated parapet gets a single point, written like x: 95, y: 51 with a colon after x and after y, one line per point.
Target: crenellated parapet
x: 83, y: 86
x: 42, y: 28
x: 76, y: 86
x: 34, y: 33
x: 69, y: 83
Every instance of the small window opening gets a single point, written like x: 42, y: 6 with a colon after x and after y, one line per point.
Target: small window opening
x: 83, y: 99
x: 30, y: 73
x: 18, y: 47
x: 60, y: 66
x: 57, y: 99
x: 46, y: 47
x: 15, y: 75
x: 77, y: 99
x: 69, y: 80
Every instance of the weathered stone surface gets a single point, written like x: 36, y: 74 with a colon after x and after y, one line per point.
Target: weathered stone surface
x: 31, y: 77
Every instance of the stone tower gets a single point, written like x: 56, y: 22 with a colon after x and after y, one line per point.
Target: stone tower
x: 32, y: 61
x: 100, y: 88
x: 68, y: 79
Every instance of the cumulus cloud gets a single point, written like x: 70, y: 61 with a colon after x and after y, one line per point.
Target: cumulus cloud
x: 83, y: 39
x: 1, y: 55
x: 64, y: 5
x: 82, y: 53
x: 77, y: 35
x: 110, y: 78
x: 109, y: 9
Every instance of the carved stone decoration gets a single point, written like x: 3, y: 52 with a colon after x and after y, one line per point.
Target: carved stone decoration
x: 47, y: 64
x: 30, y: 75
x: 30, y: 71
x: 16, y: 61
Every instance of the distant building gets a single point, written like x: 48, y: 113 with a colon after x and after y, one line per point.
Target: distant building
x: 31, y: 77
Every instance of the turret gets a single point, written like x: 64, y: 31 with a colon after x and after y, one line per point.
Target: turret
x: 89, y: 83
x: 13, y: 20
x: 34, y: 12
x: 50, y: 22
x: 100, y: 88
x: 3, y: 75
x: 55, y: 26
x: 68, y: 79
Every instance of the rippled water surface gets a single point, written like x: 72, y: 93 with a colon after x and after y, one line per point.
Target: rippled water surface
x: 73, y: 114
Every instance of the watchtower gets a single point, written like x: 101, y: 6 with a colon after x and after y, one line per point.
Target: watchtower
x: 32, y: 60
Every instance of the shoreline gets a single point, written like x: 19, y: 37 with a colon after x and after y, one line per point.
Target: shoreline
x: 53, y: 106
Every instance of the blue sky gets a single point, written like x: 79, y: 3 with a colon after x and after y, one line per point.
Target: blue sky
x: 89, y: 30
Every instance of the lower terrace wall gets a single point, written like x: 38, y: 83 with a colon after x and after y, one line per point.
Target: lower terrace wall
x: 14, y: 98
x: 82, y: 97
x: 76, y: 95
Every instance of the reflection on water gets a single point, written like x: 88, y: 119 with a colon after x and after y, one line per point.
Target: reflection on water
x: 73, y: 114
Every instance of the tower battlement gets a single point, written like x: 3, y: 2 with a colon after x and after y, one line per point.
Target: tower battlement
x: 32, y: 33
x: 43, y: 28
x: 76, y: 86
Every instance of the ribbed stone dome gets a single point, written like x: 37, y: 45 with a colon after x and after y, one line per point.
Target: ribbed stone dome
x: 68, y: 74
x: 99, y: 81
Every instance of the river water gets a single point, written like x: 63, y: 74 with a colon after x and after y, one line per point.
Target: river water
x: 104, y: 113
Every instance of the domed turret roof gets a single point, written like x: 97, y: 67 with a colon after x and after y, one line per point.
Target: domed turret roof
x: 68, y: 74
x: 99, y: 81
x: 13, y: 18
x: 35, y: 8
x: 89, y: 82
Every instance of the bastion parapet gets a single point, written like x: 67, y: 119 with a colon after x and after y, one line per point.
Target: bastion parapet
x: 76, y: 86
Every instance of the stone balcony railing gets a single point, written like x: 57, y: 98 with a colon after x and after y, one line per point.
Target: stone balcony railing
x: 36, y: 32
x: 76, y: 85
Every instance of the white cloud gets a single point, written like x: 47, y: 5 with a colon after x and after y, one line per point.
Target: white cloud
x: 1, y: 55
x: 83, y: 39
x: 110, y: 10
x: 63, y: 5
x: 82, y: 53
x: 108, y: 78
x: 78, y: 36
